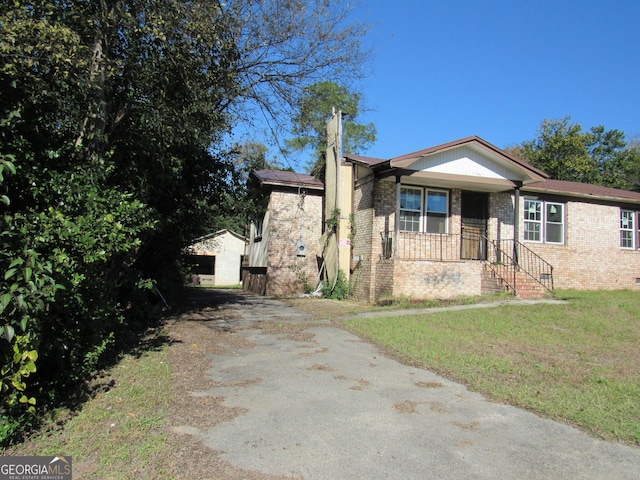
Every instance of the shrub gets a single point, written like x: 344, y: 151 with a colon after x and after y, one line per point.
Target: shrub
x: 340, y: 291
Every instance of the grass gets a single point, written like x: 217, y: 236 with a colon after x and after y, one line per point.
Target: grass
x: 578, y: 363
x: 120, y: 433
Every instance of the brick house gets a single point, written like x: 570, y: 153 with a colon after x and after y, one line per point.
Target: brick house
x: 283, y: 249
x: 473, y: 219
x: 463, y: 218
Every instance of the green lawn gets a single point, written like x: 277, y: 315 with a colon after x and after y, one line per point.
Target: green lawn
x: 578, y: 363
x: 121, y: 432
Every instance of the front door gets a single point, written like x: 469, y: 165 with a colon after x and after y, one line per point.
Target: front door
x: 475, y: 216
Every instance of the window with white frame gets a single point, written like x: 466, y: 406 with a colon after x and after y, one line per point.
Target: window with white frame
x: 437, y: 211
x: 627, y: 230
x: 554, y: 222
x: 424, y: 210
x: 410, y: 209
x: 544, y: 221
x: 532, y: 220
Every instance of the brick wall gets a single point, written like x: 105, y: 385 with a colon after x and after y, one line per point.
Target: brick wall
x: 293, y: 217
x: 374, y: 210
x: 591, y: 257
x: 455, y: 211
x: 500, y: 216
x: 423, y: 279
x: 362, y: 243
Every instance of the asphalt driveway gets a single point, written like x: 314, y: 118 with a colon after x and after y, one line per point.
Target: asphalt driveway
x: 323, y: 404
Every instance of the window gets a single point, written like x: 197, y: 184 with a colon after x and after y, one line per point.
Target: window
x: 533, y: 220
x: 423, y: 210
x: 543, y: 221
x: 410, y: 209
x: 257, y: 225
x: 437, y: 209
x: 627, y: 237
x: 554, y: 223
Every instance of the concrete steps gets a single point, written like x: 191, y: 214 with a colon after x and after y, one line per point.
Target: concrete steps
x: 525, y: 286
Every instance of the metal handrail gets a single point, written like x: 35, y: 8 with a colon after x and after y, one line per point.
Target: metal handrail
x: 505, y: 257
x: 504, y: 266
x: 525, y: 260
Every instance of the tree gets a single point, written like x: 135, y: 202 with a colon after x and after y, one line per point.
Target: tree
x: 286, y: 45
x: 566, y: 152
x: 245, y: 203
x: 314, y: 108
x: 113, y: 116
x: 623, y: 171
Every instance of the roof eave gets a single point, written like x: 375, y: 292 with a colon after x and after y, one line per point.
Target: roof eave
x: 587, y: 196
x: 293, y: 185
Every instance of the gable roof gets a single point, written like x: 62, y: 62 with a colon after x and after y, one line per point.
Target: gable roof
x: 480, y: 165
x: 218, y: 234
x: 583, y: 190
x: 473, y: 142
x: 288, y: 179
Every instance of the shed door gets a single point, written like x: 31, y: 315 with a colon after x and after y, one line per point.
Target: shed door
x: 475, y: 216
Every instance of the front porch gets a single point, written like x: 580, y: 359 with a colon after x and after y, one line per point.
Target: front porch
x: 432, y: 264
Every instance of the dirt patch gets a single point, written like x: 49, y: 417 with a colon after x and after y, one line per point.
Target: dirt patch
x: 406, y: 406
x: 436, y: 407
x: 410, y: 406
x: 314, y: 352
x: 429, y: 384
x: 323, y: 368
x: 326, y: 308
x: 288, y: 331
x: 362, y: 383
x: 473, y: 426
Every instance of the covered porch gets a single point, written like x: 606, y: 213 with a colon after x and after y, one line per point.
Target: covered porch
x: 450, y: 203
x: 510, y: 263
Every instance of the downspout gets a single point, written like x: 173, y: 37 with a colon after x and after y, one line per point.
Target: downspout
x: 396, y: 223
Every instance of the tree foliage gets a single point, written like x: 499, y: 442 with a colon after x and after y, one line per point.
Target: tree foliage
x: 598, y: 156
x: 315, y: 108
x: 286, y: 46
x: 247, y: 203
x: 113, y: 116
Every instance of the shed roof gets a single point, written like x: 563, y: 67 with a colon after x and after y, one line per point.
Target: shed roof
x: 288, y: 179
x: 366, y: 161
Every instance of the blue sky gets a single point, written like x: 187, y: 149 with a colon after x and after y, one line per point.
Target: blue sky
x: 450, y: 69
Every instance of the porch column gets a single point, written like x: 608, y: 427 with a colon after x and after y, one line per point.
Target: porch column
x: 516, y: 221
x: 396, y: 223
